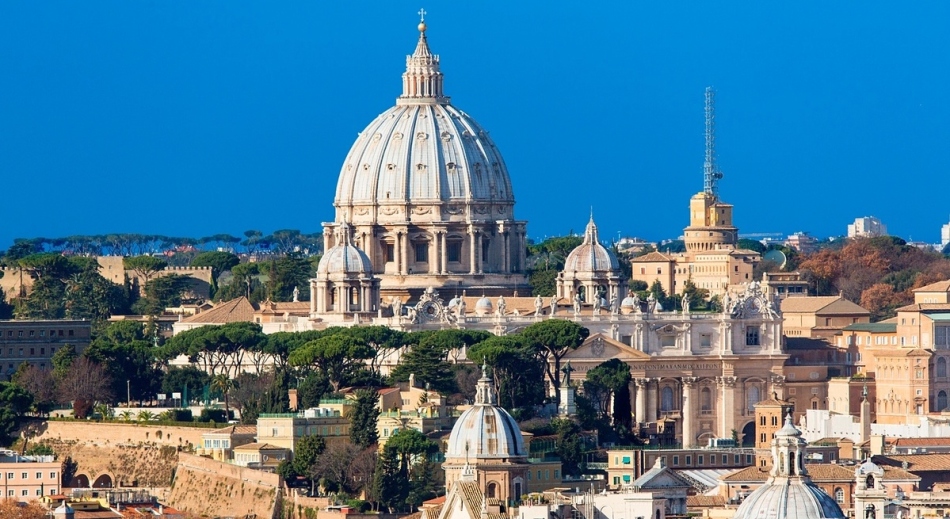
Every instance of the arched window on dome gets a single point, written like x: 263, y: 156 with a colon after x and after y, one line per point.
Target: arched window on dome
x: 666, y: 399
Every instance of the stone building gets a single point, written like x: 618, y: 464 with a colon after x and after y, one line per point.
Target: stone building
x: 35, y: 342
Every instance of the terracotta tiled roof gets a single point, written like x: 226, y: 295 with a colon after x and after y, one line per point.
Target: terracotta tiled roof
x: 939, y: 286
x: 916, y: 462
x: 892, y: 473
x: 705, y: 501
x: 922, y: 442
x: 280, y: 308
x: 472, y: 495
x: 822, y: 305
x: 752, y: 474
x: 923, y: 307
x: 237, y: 310
x: 652, y: 257
x: 234, y: 429
x: 817, y: 471
x: 259, y: 447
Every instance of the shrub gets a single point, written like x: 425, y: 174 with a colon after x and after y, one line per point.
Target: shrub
x: 182, y: 415
x: 213, y: 415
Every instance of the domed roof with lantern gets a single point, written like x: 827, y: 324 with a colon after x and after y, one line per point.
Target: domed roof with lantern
x: 344, y: 258
x: 591, y: 256
x: 789, y: 492
x: 486, y: 430
x: 423, y: 153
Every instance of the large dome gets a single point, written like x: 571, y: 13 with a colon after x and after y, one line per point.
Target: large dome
x: 423, y: 152
x: 485, y: 430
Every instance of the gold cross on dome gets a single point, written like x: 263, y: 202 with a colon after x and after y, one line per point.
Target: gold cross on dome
x: 422, y: 15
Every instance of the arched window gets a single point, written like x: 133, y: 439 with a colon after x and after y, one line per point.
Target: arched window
x: 869, y: 482
x: 492, y: 490
x: 941, y: 367
x: 666, y: 399
x: 839, y: 495
x: 941, y: 400
x: 354, y: 296
x: 705, y: 399
x: 753, y: 398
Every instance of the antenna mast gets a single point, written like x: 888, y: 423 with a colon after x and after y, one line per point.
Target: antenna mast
x: 711, y: 171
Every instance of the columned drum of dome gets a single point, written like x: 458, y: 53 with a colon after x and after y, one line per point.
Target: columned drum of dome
x: 344, y: 283
x: 429, y: 196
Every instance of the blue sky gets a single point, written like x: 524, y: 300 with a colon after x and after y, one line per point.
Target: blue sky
x: 199, y: 117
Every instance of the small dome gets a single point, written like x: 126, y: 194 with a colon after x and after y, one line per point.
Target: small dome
x: 629, y: 302
x: 345, y: 258
x: 483, y: 306
x: 485, y: 430
x: 788, y: 430
x: 591, y: 256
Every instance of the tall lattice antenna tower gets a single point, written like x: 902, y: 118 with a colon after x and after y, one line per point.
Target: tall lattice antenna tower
x: 711, y: 171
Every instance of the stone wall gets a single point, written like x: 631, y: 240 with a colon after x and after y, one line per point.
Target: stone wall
x: 211, y: 488
x: 119, y: 454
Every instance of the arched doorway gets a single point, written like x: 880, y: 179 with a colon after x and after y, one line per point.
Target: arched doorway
x: 748, y: 434
x: 79, y: 481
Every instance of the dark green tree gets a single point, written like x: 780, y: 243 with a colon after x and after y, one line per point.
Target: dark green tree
x: 363, y: 419
x: 338, y: 355
x: 390, y: 484
x: 161, y: 293
x: 570, y: 446
x: 218, y: 261
x: 92, y: 297
x: 177, y: 379
x: 62, y: 360
x: 14, y: 403
x: 129, y: 359
x: 46, y: 301
x: 144, y: 266
x: 515, y: 368
x: 306, y: 452
x: 553, y: 339
x: 607, y: 382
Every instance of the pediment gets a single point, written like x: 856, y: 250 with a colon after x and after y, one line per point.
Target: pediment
x: 665, y: 479
x: 601, y: 347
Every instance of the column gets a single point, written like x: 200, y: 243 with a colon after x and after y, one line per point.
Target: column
x: 727, y: 408
x: 507, y: 265
x: 398, y: 253
x: 652, y: 406
x: 641, y: 409
x: 471, y: 250
x: 433, y: 248
x: 478, y: 254
x: 689, y: 415
x: 405, y: 253
x: 443, y: 260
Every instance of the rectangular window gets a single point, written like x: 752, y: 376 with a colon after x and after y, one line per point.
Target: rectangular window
x: 32, y: 333
x: 71, y: 333
x: 752, y: 336
x: 453, y: 251
x: 39, y: 475
x: 39, y: 492
x: 557, y: 473
x: 24, y: 475
x: 689, y: 460
x: 52, y: 475
x: 676, y: 461
x: 390, y: 251
x: 422, y: 252
x: 942, y: 337
x: 626, y: 460
x: 705, y: 340
x: 699, y: 459
x: 9, y: 475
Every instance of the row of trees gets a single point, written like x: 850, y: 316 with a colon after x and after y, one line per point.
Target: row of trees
x: 282, y: 241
